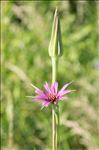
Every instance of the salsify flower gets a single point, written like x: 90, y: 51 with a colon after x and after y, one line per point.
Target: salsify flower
x: 51, y: 95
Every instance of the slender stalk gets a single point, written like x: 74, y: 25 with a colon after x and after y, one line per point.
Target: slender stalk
x: 54, y: 69
x: 55, y: 111
x: 53, y: 130
x: 58, y: 125
x: 55, y: 50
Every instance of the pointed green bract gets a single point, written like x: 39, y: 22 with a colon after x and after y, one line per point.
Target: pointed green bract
x: 55, y: 46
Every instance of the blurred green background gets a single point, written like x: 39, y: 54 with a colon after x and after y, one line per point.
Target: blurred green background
x: 26, y: 31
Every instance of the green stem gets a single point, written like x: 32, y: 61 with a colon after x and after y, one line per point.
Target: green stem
x: 55, y: 111
x: 54, y: 146
x: 58, y: 125
x: 54, y: 69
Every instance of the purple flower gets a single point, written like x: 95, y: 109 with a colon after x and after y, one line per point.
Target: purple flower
x: 97, y: 65
x: 51, y: 95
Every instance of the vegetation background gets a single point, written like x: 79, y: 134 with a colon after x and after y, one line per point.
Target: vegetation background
x: 26, y: 30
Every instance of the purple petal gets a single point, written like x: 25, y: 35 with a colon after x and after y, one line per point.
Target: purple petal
x: 37, y: 90
x: 62, y: 98
x: 41, y: 93
x: 61, y: 93
x: 45, y: 104
x: 64, y: 87
x: 47, y: 87
x: 54, y: 87
x: 39, y: 98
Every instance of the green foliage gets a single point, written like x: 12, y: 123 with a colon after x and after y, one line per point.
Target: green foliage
x: 26, y: 31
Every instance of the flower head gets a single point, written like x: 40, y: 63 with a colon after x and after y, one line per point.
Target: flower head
x: 51, y: 95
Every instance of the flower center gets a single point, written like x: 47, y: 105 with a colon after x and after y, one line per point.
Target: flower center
x: 52, y: 97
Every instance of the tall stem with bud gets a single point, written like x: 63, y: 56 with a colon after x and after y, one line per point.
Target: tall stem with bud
x: 55, y: 50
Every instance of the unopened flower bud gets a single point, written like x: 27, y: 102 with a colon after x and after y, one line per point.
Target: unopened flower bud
x: 55, y: 46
